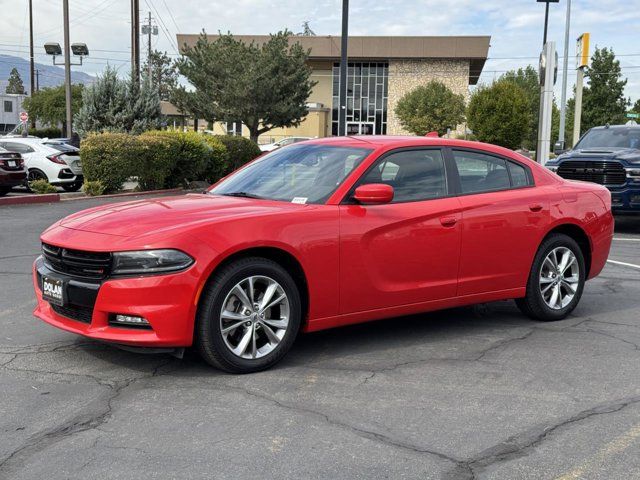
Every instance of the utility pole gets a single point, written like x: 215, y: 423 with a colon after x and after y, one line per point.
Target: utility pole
x: 342, y: 111
x: 31, y: 62
x: 67, y: 66
x: 135, y: 39
x: 565, y: 74
x: 149, y: 29
x: 37, y: 80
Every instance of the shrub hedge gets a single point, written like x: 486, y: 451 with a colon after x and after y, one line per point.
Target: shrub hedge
x: 240, y: 150
x: 50, y: 132
x: 162, y: 159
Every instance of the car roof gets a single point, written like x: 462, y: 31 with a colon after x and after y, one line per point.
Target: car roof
x: 400, y: 141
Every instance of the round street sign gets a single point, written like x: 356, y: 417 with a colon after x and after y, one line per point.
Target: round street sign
x: 24, y: 116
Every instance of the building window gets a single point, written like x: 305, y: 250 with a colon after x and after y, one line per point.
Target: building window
x: 8, y: 106
x: 367, y: 91
x: 234, y: 128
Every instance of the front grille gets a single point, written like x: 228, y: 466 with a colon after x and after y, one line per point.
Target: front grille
x: 602, y: 172
x: 74, y: 312
x: 77, y: 263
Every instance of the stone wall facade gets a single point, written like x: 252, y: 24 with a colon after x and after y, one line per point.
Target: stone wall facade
x: 405, y: 75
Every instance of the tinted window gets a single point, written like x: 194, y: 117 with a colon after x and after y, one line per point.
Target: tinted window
x: 304, y: 173
x: 481, y: 173
x: 413, y: 174
x: 17, y: 147
x: 519, y: 177
x: 8, y: 106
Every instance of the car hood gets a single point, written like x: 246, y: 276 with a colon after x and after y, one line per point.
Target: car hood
x: 166, y: 215
x: 598, y: 154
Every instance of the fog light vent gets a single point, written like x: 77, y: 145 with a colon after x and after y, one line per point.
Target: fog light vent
x: 128, y: 321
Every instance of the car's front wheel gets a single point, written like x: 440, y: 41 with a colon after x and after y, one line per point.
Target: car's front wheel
x: 556, y: 280
x: 249, y: 316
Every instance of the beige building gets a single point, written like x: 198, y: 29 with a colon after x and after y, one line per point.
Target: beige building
x: 381, y: 70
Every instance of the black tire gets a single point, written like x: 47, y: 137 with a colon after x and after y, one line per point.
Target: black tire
x: 71, y: 187
x: 533, y: 304
x: 35, y: 174
x: 209, y: 340
x: 4, y: 191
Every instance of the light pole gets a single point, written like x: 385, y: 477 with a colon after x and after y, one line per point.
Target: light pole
x: 342, y: 111
x: 79, y: 50
x: 565, y: 66
x: 546, y: 17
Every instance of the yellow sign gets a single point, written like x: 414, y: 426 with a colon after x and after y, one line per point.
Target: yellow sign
x: 582, y: 51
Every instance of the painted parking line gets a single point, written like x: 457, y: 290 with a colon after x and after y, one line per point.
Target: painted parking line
x: 624, y: 264
x: 595, y: 463
x: 621, y: 239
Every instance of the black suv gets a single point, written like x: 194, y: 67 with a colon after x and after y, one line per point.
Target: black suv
x: 610, y: 156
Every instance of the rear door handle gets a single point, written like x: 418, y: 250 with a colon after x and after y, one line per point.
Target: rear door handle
x: 448, y: 221
x: 535, y: 207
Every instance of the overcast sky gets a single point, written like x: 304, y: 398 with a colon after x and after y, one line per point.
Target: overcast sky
x: 514, y: 25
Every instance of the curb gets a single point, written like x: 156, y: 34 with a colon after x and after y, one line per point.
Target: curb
x: 125, y: 194
x: 30, y: 199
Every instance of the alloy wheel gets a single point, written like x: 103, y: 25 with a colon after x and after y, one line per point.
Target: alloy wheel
x: 254, y: 317
x: 559, y: 278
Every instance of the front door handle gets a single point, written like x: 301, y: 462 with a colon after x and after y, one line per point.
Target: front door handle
x: 448, y: 221
x: 535, y: 207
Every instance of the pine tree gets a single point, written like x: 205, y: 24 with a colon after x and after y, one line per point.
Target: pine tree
x: 15, y: 84
x: 115, y: 105
x: 603, y: 100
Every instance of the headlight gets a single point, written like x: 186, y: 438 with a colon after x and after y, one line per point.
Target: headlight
x: 553, y: 168
x: 149, y: 262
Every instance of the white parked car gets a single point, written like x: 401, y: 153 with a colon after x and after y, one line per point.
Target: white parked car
x: 282, y: 143
x: 50, y: 160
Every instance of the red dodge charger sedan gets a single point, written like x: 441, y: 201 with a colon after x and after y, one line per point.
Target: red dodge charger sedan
x: 322, y: 234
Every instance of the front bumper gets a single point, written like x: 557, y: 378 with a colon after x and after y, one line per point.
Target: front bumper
x: 167, y: 302
x: 625, y: 199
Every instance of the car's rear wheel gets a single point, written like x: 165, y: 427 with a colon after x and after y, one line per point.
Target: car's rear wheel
x: 35, y: 174
x: 4, y: 191
x: 249, y: 316
x: 556, y: 280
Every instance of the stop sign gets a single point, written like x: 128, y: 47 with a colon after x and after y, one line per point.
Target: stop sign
x: 24, y: 116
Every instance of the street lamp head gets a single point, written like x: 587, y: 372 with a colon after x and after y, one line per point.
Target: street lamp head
x: 52, y: 48
x: 80, y: 49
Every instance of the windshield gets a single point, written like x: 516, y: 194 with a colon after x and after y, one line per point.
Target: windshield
x: 303, y: 173
x: 610, y: 138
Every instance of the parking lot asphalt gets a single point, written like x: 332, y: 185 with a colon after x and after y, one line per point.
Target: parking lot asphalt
x: 470, y: 393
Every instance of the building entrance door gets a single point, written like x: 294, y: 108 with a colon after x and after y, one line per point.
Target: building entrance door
x: 361, y: 128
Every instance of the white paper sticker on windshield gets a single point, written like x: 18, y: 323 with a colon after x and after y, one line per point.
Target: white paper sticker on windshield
x: 301, y: 200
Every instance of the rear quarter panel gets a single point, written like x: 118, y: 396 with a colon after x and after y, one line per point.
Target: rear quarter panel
x: 589, y: 207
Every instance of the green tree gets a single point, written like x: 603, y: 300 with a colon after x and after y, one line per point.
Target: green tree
x: 15, y: 84
x: 164, y: 73
x: 603, y: 101
x: 111, y: 104
x: 636, y: 107
x: 263, y: 86
x: 527, y: 79
x: 498, y: 114
x: 430, y: 107
x: 49, y: 105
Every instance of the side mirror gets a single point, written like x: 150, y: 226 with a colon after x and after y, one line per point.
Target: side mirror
x: 559, y: 148
x: 374, y: 194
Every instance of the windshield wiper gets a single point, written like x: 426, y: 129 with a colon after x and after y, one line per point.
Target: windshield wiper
x: 243, y: 195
